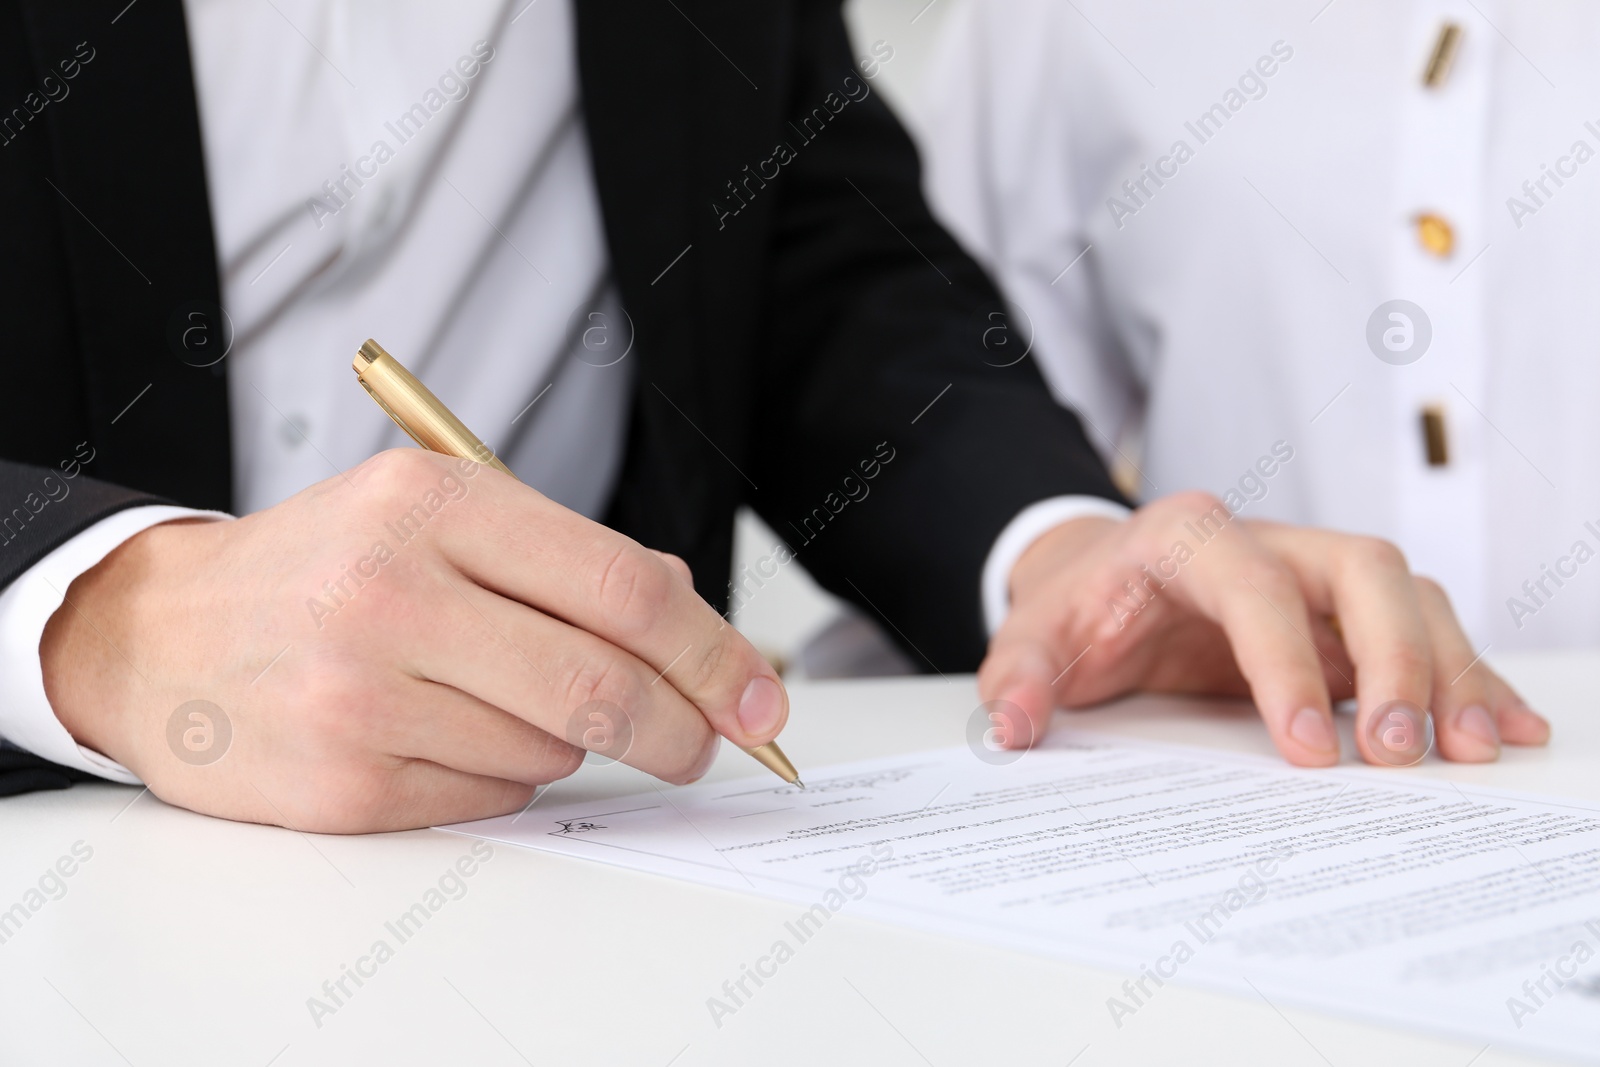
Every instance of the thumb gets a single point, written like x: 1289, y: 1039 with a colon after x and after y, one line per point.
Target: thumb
x: 679, y: 567
x: 1017, y: 681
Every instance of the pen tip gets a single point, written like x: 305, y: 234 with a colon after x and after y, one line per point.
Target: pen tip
x: 799, y: 783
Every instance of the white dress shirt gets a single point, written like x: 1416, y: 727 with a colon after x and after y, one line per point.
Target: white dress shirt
x: 1223, y: 302
x: 417, y: 173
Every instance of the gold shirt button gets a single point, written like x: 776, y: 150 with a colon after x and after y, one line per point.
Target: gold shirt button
x: 1434, y: 442
x: 1436, y: 234
x: 1443, y: 56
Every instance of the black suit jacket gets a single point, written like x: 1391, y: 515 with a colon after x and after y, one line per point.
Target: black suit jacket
x: 814, y: 316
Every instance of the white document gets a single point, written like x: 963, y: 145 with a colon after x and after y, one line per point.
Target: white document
x: 1466, y: 911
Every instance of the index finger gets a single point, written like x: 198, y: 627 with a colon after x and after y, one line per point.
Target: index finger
x: 1237, y: 583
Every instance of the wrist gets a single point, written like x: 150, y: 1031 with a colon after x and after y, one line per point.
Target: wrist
x: 89, y: 653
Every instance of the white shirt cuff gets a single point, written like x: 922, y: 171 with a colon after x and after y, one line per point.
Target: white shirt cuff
x: 27, y: 720
x: 1031, y: 523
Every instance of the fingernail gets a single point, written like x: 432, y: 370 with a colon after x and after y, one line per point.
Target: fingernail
x: 761, y: 706
x: 1476, y: 721
x: 1314, y: 730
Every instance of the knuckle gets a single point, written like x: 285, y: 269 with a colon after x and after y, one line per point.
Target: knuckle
x: 565, y: 762
x: 692, y: 759
x: 379, y: 603
x: 603, y: 679
x: 513, y: 796
x: 334, y: 709
x: 413, y: 490
x: 398, y: 470
x: 1374, y: 553
x: 1272, y: 578
x: 682, y: 569
x: 1431, y: 591
x: 635, y: 590
x: 712, y: 672
x: 556, y: 759
x: 1192, y: 504
x: 1409, y: 659
x: 407, y: 487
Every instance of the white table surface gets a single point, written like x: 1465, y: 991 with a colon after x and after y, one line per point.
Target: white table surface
x: 188, y: 940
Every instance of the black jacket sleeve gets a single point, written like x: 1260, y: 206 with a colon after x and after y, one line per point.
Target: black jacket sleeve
x: 41, y: 509
x: 886, y: 338
x: 44, y: 509
x: 23, y: 772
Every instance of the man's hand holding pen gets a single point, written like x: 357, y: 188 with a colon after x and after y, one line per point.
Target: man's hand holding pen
x: 398, y: 646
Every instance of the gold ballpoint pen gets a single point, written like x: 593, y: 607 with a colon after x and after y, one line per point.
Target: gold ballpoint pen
x: 430, y: 424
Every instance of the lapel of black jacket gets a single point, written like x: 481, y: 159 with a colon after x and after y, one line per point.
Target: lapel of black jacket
x: 672, y: 107
x: 130, y: 189
x: 635, y: 87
